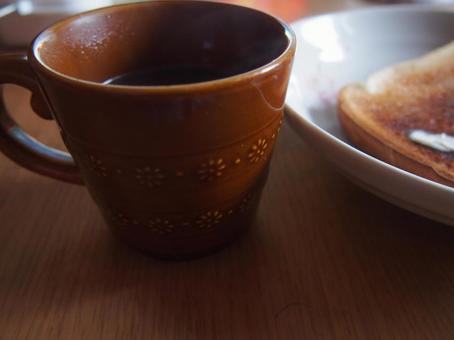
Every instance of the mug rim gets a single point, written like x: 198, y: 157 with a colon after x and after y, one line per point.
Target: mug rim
x: 35, y: 60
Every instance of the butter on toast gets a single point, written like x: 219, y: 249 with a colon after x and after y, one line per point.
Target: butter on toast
x: 393, y: 114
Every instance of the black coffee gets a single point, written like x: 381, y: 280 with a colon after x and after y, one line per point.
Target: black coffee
x: 167, y: 76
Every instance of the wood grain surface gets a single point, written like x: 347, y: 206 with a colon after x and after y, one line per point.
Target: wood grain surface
x: 325, y: 260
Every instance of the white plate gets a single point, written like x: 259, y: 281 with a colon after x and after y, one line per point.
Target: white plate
x: 339, y: 48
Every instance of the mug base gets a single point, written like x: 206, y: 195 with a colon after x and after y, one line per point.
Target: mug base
x: 209, y: 238
x: 194, y: 255
x: 181, y: 249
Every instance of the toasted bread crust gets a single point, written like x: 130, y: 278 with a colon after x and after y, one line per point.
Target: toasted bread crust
x: 418, y: 94
x: 377, y: 148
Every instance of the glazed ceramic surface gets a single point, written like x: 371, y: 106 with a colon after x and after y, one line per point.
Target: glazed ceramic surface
x: 177, y: 170
x: 336, y: 49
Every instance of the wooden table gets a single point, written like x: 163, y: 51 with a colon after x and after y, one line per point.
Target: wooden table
x: 325, y: 260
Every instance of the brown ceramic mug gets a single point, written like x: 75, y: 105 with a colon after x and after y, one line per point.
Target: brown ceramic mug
x: 176, y: 165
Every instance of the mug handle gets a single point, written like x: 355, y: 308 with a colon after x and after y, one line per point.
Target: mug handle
x: 18, y: 145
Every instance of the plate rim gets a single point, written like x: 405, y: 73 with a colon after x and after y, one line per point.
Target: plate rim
x: 294, y: 114
x: 434, y: 8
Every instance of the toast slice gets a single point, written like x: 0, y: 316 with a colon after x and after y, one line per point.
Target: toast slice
x: 404, y: 115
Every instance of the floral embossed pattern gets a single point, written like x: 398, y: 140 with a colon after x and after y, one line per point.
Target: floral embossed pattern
x: 208, y: 220
x: 147, y: 176
x: 257, y: 151
x: 211, y: 170
x: 161, y: 226
x: 207, y: 172
x: 245, y: 204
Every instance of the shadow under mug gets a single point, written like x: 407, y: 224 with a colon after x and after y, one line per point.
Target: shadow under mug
x: 175, y: 169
